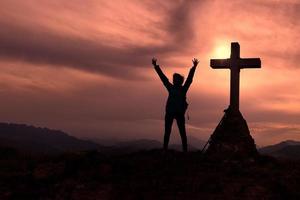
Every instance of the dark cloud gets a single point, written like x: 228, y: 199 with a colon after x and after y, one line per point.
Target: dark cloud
x: 40, y: 45
x: 45, y: 47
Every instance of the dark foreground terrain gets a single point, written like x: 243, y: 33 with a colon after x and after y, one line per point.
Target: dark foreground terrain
x: 149, y: 174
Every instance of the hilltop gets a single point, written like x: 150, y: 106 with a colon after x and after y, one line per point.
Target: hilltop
x: 151, y: 174
x: 79, y: 169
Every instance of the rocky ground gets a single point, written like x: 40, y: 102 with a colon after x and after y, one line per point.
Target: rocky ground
x: 145, y: 175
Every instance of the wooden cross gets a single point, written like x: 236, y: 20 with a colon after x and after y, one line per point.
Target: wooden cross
x: 235, y: 63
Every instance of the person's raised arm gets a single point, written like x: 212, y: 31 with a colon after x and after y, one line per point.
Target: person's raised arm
x: 161, y: 75
x: 189, y: 79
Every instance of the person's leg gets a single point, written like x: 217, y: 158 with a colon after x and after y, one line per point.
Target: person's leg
x: 181, y: 126
x: 168, y: 127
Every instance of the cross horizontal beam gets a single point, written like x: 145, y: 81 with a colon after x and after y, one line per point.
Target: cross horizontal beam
x: 241, y: 63
x: 249, y: 63
x: 220, y: 63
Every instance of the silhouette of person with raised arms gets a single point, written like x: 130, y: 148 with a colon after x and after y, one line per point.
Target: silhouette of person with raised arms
x: 176, y: 104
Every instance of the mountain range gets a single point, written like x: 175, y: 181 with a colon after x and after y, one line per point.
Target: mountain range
x: 288, y: 149
x: 25, y: 138
x: 32, y: 139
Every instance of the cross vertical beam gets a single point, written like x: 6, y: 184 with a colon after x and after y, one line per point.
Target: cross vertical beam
x: 234, y: 77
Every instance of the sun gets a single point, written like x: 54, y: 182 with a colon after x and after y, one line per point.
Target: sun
x: 221, y: 51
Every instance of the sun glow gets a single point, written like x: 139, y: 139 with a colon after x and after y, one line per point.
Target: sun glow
x: 221, y: 51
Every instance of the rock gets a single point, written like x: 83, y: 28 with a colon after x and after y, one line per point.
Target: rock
x: 231, y: 138
x: 48, y: 170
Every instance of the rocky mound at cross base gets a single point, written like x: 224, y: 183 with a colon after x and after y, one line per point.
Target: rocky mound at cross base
x: 231, y: 138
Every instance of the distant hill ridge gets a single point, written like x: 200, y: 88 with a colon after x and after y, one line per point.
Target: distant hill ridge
x: 288, y: 149
x: 26, y: 138
x: 42, y: 140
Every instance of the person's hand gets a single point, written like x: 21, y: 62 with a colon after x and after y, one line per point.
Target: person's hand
x: 154, y: 60
x: 195, y: 62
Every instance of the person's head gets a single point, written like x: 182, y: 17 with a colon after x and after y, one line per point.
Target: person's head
x: 177, y: 79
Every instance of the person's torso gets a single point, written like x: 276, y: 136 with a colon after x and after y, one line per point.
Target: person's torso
x: 177, y: 100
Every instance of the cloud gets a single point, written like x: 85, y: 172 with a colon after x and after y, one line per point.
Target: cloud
x: 43, y: 45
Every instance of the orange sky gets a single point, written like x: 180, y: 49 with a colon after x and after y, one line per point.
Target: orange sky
x: 85, y: 66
